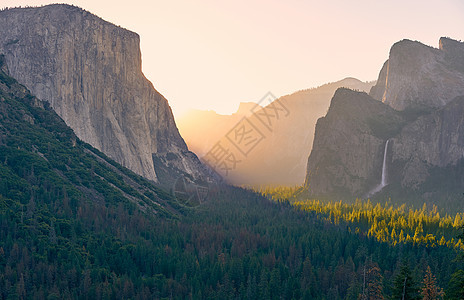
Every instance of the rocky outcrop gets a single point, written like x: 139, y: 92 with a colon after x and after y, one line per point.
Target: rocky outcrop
x: 90, y: 72
x: 416, y: 75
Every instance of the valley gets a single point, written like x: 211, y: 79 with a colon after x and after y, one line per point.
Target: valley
x: 349, y: 190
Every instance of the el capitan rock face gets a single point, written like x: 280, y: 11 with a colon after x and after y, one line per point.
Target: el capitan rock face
x: 421, y: 114
x: 90, y: 71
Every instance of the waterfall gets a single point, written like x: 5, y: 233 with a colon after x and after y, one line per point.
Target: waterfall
x: 383, y: 181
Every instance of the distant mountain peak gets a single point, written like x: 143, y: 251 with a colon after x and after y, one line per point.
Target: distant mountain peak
x: 350, y: 79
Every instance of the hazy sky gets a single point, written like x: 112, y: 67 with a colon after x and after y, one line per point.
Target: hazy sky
x: 214, y: 54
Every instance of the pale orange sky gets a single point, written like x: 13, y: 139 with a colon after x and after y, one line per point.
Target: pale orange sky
x: 214, y: 54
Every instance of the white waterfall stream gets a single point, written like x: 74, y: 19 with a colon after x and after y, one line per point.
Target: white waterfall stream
x: 383, y: 181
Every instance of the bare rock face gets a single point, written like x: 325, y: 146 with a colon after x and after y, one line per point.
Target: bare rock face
x: 416, y: 75
x: 90, y: 71
x: 435, y: 139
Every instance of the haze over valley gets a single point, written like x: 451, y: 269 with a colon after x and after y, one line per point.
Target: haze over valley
x: 281, y: 157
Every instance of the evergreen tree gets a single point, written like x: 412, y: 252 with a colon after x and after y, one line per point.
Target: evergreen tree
x: 372, y: 283
x: 20, y: 290
x: 430, y: 289
x: 455, y: 290
x: 456, y: 286
x: 52, y: 234
x: 354, y: 289
x: 404, y: 287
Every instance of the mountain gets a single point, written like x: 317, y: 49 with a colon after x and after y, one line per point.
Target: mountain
x: 411, y: 142
x: 89, y: 71
x: 416, y: 75
x: 281, y: 155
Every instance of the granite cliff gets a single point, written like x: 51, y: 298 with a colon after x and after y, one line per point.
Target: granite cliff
x: 418, y: 76
x: 90, y: 72
x: 421, y: 115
